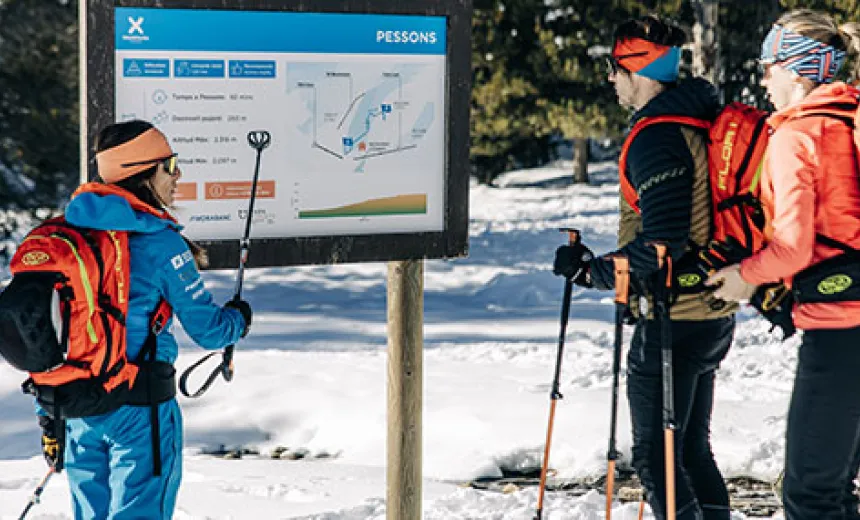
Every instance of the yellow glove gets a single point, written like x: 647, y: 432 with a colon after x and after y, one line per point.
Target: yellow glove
x: 50, y: 445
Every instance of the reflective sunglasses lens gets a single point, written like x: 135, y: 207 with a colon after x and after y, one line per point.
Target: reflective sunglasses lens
x: 170, y: 165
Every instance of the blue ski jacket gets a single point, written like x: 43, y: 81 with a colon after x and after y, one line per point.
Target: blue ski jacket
x: 109, y: 457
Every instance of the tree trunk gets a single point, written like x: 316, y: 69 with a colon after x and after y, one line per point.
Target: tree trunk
x: 580, y: 160
x: 706, y: 47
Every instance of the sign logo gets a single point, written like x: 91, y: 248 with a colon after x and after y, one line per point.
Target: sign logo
x: 835, y: 284
x: 136, y: 25
x: 135, y: 32
x: 34, y: 258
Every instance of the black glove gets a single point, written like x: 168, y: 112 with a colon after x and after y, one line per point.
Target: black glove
x: 774, y: 301
x: 721, y: 254
x: 245, y: 309
x: 572, y: 261
x: 50, y: 445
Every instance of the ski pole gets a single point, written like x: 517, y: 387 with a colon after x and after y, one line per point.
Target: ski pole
x: 555, y: 394
x: 622, y: 285
x: 37, y: 493
x: 661, y: 297
x: 258, y: 140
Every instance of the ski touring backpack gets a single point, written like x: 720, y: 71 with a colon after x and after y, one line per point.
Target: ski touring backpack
x: 62, y: 318
x: 736, y: 144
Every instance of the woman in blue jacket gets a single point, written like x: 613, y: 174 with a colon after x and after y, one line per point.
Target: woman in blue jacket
x: 115, y: 468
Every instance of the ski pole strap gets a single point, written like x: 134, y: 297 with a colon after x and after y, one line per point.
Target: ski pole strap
x: 183, y: 380
x: 622, y: 279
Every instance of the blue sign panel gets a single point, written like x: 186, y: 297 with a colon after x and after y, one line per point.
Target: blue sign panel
x: 252, y: 69
x: 198, y: 68
x: 157, y: 29
x: 145, y: 68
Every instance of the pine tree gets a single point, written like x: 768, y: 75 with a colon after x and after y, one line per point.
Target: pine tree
x: 39, y: 99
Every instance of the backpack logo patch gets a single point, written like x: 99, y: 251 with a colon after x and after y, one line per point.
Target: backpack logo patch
x: 726, y: 155
x: 689, y: 280
x: 34, y: 258
x: 835, y: 284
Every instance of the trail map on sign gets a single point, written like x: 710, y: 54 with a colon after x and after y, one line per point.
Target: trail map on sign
x: 369, y: 125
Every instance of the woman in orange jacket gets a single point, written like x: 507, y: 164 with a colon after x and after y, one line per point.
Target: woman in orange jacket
x: 811, y: 188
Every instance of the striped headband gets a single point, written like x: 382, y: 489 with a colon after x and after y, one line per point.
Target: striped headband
x: 802, y: 55
x: 649, y: 59
x: 132, y: 157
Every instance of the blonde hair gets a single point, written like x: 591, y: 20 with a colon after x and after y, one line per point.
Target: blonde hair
x: 822, y: 27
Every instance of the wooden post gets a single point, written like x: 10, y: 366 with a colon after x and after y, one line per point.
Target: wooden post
x: 405, y: 388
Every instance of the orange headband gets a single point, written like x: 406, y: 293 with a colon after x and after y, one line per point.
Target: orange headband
x: 144, y: 151
x: 634, y: 54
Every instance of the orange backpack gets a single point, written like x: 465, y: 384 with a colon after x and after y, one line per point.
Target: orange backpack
x: 62, y: 318
x: 737, y: 140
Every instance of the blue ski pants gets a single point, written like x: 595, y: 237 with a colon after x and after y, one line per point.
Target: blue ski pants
x: 110, y: 467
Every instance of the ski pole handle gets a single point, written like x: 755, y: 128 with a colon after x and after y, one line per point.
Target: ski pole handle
x: 573, y: 235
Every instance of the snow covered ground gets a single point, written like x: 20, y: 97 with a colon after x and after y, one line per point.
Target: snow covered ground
x: 312, y: 376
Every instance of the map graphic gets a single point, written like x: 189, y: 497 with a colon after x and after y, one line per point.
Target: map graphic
x: 380, y: 120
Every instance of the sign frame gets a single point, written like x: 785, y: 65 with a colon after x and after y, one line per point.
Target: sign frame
x: 97, y: 104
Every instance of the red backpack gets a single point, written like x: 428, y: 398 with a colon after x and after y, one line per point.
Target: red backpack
x: 737, y: 140
x: 62, y: 317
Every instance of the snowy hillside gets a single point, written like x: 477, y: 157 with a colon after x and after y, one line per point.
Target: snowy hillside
x: 311, y: 376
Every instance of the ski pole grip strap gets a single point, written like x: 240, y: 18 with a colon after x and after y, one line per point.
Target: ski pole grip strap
x: 622, y: 278
x: 183, y: 380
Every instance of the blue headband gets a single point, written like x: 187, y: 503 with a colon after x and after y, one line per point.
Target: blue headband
x: 664, y: 68
x: 802, y: 55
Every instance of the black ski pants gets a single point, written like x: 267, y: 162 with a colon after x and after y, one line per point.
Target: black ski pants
x: 698, y: 347
x: 822, y: 449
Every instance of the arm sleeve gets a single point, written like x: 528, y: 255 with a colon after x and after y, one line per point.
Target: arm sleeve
x: 792, y: 168
x: 660, y: 168
x: 209, y: 325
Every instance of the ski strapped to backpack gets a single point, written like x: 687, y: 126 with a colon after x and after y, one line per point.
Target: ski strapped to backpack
x: 737, y: 140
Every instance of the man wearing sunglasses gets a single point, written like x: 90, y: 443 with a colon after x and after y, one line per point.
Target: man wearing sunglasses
x: 667, y: 165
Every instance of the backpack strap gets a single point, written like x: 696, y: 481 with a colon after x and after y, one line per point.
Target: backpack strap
x: 157, y: 321
x: 836, y: 244
x: 627, y: 189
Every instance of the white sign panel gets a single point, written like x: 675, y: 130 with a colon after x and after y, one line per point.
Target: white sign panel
x: 355, y: 105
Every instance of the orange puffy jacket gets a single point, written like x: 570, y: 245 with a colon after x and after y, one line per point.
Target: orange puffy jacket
x: 810, y: 186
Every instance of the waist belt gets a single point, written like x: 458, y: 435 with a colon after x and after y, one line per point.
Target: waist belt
x: 155, y: 384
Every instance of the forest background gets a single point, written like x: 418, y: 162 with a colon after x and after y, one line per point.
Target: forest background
x: 539, y: 85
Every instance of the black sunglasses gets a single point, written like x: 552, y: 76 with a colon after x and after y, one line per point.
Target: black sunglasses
x: 171, y: 165
x: 613, y: 65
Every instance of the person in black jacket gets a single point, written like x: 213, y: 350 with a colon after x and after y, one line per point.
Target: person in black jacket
x: 667, y: 166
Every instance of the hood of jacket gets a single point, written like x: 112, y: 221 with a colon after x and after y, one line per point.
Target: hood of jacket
x: 694, y: 97
x: 830, y: 96
x: 105, y: 206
